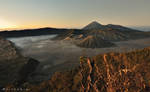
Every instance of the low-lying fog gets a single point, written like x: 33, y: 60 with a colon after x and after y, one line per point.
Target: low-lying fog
x: 61, y: 55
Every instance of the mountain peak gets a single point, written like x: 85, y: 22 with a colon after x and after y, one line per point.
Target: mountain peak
x: 93, y: 25
x: 95, y: 22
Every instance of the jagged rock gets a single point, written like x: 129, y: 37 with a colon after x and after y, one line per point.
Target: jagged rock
x: 111, y: 72
x: 7, y: 50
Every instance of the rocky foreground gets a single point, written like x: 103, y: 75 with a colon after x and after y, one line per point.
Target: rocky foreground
x: 110, y: 72
x: 14, y: 68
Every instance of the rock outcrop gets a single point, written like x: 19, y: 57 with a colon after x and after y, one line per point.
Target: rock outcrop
x: 110, y: 72
x: 7, y: 50
x: 12, y: 62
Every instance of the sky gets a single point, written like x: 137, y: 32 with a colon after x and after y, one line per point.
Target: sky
x: 73, y: 13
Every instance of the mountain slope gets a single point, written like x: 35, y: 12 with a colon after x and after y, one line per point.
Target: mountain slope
x: 97, y: 26
x: 69, y: 34
x: 110, y: 72
x: 94, y: 41
x: 93, y: 25
x: 12, y: 62
x: 105, y: 34
x: 119, y: 27
x: 112, y: 32
x: 117, y: 35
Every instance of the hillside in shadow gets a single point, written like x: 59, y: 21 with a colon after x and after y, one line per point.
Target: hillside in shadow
x: 14, y: 68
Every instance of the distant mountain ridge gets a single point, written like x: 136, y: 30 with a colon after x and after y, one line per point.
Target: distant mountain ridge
x: 32, y: 32
x: 48, y: 31
x: 96, y: 35
x: 97, y: 26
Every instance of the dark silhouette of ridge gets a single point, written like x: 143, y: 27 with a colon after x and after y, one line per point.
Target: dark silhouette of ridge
x: 32, y: 32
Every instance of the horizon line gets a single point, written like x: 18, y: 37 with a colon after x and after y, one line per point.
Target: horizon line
x: 25, y: 28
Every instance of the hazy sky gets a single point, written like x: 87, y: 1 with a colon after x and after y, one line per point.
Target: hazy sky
x: 73, y: 13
